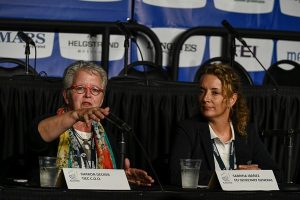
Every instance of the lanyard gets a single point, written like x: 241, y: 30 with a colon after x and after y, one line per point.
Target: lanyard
x: 84, y: 155
x: 219, y: 159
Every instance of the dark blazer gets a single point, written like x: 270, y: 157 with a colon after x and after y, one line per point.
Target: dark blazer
x: 192, y: 140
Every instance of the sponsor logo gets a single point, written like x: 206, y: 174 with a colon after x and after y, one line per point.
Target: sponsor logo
x: 288, y: 50
x: 86, y: 47
x: 245, y: 6
x: 290, y: 7
x: 73, y: 176
x: 177, y: 3
x: 215, y: 46
x: 12, y: 46
x: 226, y: 178
x: 191, y: 52
x: 262, y: 49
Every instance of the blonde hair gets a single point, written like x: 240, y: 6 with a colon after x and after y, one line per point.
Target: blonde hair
x: 231, y: 84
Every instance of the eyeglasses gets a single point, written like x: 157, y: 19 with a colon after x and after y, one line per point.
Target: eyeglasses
x: 80, y: 89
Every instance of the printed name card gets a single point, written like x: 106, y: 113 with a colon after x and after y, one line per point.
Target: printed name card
x: 247, y: 180
x: 96, y: 179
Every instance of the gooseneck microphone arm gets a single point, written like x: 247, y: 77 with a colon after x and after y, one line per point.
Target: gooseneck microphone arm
x: 125, y: 128
x: 25, y: 38
x: 235, y: 34
x: 126, y: 45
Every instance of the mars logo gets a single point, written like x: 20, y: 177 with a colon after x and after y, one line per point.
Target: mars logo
x: 85, y: 47
x: 290, y: 7
x: 192, y: 50
x: 245, y: 6
x: 12, y: 46
x: 177, y: 3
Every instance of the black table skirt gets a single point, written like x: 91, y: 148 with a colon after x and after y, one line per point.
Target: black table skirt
x: 179, y: 194
x: 151, y: 108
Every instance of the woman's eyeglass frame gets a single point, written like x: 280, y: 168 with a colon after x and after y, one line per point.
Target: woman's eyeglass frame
x: 81, y: 89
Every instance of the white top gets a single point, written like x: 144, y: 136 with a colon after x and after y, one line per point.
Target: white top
x: 223, y: 148
x: 85, y: 136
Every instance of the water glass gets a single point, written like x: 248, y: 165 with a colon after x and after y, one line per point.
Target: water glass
x: 190, y: 169
x: 48, y: 171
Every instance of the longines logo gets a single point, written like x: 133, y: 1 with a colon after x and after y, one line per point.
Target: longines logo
x: 192, y: 50
x: 167, y: 46
x: 12, y: 46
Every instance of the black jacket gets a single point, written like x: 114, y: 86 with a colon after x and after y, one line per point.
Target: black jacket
x: 192, y: 140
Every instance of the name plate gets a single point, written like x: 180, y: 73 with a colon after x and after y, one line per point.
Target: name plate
x: 249, y: 180
x: 96, y: 179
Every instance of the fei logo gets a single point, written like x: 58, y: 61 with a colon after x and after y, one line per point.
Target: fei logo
x: 177, y: 3
x: 191, y: 51
x: 261, y: 48
x: 245, y: 6
x: 290, y: 7
x: 13, y: 47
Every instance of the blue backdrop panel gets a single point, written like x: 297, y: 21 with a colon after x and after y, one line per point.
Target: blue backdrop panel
x: 75, y: 10
x: 92, y: 10
x: 163, y: 17
x: 270, y: 15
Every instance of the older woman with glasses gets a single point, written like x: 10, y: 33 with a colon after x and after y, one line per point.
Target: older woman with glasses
x: 83, y: 142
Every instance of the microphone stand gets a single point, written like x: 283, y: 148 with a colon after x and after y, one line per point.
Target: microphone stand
x: 122, y: 144
x: 231, y: 39
x: 27, y: 53
x: 232, y: 34
x: 288, y: 185
x: 126, y: 46
x: 125, y: 128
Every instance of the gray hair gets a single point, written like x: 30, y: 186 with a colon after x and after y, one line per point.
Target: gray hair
x: 91, y: 67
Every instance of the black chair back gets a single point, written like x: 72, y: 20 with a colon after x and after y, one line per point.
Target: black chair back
x: 283, y: 77
x: 16, y: 67
x: 149, y: 71
x: 239, y: 69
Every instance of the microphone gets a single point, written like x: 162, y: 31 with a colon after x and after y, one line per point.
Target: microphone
x: 233, y: 32
x: 120, y: 124
x: 25, y: 38
x: 123, y: 126
x: 124, y: 29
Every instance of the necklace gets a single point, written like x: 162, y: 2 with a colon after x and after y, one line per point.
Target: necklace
x: 86, y: 144
x: 86, y: 148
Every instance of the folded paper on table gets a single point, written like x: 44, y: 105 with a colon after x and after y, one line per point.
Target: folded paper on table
x: 95, y: 179
x: 244, y: 180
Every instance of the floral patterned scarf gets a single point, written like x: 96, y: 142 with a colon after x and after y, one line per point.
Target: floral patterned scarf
x: 68, y: 146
